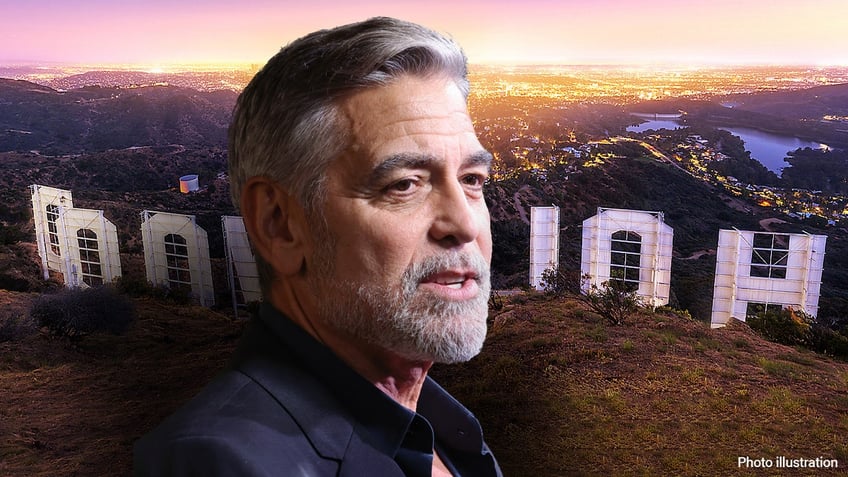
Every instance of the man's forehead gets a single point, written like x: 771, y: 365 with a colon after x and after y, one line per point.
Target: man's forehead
x: 407, y: 121
x: 406, y: 98
x: 408, y: 88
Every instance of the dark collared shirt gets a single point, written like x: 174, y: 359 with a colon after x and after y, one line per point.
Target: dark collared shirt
x: 408, y: 437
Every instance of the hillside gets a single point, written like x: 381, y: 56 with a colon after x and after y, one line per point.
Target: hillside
x: 558, y: 391
x: 93, y: 118
x: 125, y: 182
x: 809, y: 104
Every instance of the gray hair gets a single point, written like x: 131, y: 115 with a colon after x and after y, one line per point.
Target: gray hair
x: 287, y: 124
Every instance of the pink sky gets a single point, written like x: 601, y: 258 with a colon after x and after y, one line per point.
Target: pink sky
x: 162, y: 32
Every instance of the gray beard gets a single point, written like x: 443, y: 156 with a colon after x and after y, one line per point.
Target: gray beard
x: 414, y: 324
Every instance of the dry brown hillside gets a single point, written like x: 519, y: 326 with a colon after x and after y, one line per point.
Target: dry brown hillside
x: 559, y: 392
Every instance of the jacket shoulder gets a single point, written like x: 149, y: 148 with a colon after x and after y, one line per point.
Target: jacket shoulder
x: 233, y: 427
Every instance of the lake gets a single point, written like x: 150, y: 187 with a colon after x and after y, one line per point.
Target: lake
x: 656, y: 124
x: 768, y: 149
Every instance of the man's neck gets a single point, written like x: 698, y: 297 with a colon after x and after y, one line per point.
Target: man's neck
x: 398, y: 377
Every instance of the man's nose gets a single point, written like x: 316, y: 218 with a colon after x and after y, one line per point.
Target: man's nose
x: 456, y: 217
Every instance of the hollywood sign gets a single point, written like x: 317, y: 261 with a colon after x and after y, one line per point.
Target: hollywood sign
x: 754, y: 270
x: 82, y: 245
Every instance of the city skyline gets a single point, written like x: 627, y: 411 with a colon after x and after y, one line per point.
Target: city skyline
x: 159, y: 33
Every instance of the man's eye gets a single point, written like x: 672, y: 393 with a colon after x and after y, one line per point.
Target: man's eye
x: 473, y: 180
x: 402, y: 186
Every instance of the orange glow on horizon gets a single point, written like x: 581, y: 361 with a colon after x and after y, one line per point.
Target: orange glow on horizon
x: 531, y: 32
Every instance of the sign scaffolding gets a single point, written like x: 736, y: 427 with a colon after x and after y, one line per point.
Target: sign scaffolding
x: 544, y: 242
x: 176, y: 254
x: 756, y: 271
x: 241, y: 264
x: 631, y: 246
x: 49, y: 235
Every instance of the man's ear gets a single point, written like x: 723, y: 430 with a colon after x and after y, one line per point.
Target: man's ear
x: 276, y: 224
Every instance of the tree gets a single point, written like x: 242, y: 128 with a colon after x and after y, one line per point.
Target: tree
x: 613, y: 299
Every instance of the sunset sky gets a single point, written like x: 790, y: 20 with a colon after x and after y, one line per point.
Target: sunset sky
x: 163, y: 32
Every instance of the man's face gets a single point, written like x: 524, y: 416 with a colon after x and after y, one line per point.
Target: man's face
x: 403, y: 259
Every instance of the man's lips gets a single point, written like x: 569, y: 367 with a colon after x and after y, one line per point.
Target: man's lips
x: 450, y: 278
x: 454, y: 284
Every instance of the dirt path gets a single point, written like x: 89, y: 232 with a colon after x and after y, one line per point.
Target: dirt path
x: 699, y: 254
x: 767, y: 223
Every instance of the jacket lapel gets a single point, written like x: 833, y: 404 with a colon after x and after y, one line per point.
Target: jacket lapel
x: 329, y: 426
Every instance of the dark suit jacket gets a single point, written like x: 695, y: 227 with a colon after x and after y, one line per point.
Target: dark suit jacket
x: 288, y: 406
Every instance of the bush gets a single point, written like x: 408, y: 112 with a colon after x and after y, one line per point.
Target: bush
x: 496, y: 302
x: 557, y: 282
x: 15, y: 327
x: 791, y: 327
x: 666, y: 309
x: 784, y: 326
x: 142, y: 288
x: 77, y: 312
x: 614, y: 300
x: 827, y: 341
x: 134, y: 286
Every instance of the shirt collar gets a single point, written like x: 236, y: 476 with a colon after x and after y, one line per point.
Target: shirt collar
x: 379, y: 419
x: 452, y: 423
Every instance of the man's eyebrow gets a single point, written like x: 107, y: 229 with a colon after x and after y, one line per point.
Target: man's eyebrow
x: 479, y: 158
x: 396, y: 162
x: 422, y: 161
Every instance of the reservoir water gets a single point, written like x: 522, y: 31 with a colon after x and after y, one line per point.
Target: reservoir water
x: 768, y: 149
x: 656, y: 122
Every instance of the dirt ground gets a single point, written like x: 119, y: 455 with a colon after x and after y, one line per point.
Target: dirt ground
x: 75, y: 409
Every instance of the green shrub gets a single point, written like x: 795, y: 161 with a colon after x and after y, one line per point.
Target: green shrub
x: 557, y: 282
x: 792, y: 327
x: 496, y: 301
x: 613, y: 300
x: 784, y: 326
x: 666, y: 309
x: 77, y: 312
x: 827, y: 341
x: 134, y: 286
